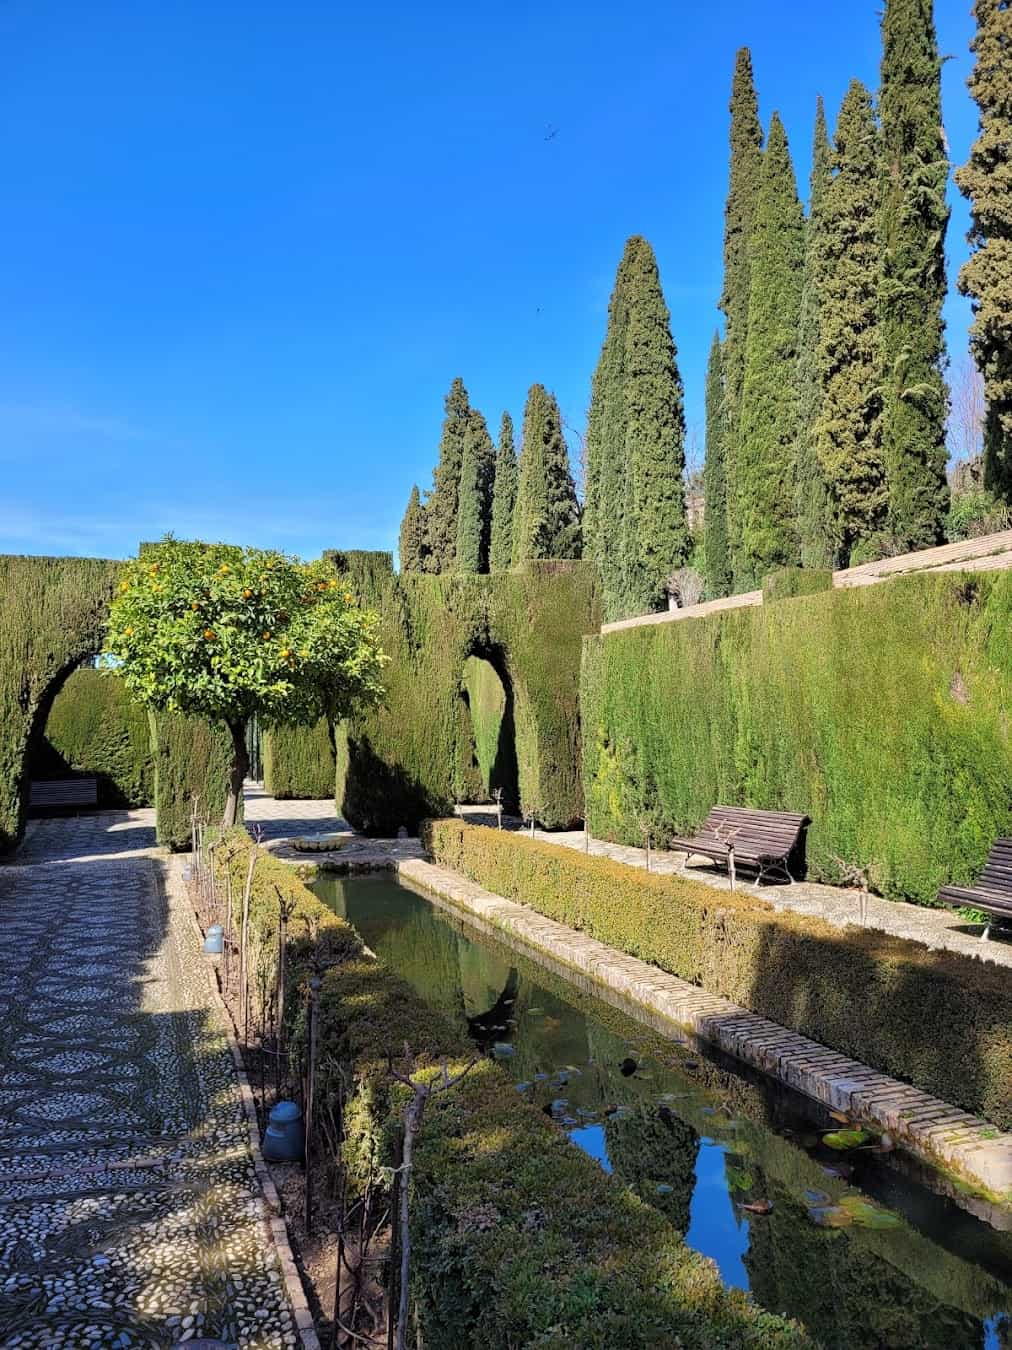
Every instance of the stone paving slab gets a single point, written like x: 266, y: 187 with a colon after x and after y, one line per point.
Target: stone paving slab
x: 932, y: 1129
x: 130, y: 1209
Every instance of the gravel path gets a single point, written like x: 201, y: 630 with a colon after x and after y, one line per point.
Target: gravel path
x: 130, y: 1213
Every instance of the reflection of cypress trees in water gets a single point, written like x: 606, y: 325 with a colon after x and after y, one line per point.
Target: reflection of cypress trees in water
x: 427, y: 956
x: 653, y: 1147
x: 846, y: 1297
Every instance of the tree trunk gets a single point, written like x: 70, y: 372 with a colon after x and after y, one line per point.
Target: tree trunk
x: 237, y: 775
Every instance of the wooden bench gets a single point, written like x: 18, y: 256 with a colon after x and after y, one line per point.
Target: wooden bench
x: 764, y: 842
x: 993, y: 889
x: 46, y: 793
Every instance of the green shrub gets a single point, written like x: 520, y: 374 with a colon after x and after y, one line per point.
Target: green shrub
x: 933, y: 1018
x: 416, y: 755
x: 299, y: 762
x: 52, y: 617
x: 881, y: 711
x: 791, y: 581
x: 192, y: 759
x: 94, y: 727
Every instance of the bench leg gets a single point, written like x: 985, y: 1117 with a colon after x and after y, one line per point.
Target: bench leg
x: 987, y: 932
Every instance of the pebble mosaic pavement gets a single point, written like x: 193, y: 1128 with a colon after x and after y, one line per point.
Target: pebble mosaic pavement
x: 130, y: 1213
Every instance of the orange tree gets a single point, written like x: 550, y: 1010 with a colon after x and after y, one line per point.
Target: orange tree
x: 221, y: 632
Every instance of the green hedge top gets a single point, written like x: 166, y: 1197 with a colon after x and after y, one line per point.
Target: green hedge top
x: 933, y: 1018
x: 883, y: 712
x: 792, y: 581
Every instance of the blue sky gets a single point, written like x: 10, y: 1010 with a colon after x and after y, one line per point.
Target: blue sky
x: 245, y: 247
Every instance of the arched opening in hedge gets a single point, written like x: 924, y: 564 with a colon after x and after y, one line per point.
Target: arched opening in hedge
x: 487, y: 692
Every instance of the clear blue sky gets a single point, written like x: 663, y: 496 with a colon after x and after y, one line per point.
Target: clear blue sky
x: 245, y: 247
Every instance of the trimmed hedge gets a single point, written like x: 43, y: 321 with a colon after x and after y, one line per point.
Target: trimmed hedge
x: 52, y: 617
x: 881, y: 711
x: 519, y: 1238
x: 932, y: 1018
x: 94, y: 727
x: 792, y: 581
x: 192, y: 757
x: 299, y: 762
x: 416, y: 756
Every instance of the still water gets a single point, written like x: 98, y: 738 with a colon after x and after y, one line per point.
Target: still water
x: 865, y: 1249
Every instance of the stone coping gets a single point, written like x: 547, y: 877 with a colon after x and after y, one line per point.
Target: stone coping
x: 940, y: 1134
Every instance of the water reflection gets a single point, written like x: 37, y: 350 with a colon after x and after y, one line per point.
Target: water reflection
x: 853, y: 1248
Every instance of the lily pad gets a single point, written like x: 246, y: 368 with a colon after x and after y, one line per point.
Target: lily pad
x: 868, y: 1215
x: 830, y: 1216
x: 844, y: 1139
x: 503, y: 1050
x: 663, y: 1188
x: 522, y: 1087
x: 818, y: 1198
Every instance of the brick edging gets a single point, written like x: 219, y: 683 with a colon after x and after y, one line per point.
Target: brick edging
x: 168, y: 876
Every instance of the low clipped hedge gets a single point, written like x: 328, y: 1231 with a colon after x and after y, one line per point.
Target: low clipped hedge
x: 94, y: 727
x: 299, y: 762
x: 518, y: 1237
x: 880, y: 711
x: 932, y: 1018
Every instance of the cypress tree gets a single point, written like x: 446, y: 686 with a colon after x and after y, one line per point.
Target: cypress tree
x: 504, y: 496
x: 987, y: 277
x: 655, y: 534
x: 810, y: 502
x: 546, y: 521
x: 848, y: 424
x: 441, y: 505
x: 716, y: 556
x: 739, y: 215
x: 474, y: 497
x: 913, y: 223
x: 605, y: 486
x: 764, y: 482
x: 411, y: 546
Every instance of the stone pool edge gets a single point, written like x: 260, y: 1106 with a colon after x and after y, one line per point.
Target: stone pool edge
x: 933, y: 1130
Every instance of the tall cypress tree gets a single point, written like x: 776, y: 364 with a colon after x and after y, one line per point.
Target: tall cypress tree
x: 606, y: 480
x: 655, y: 534
x: 739, y: 215
x: 474, y: 497
x: 412, y: 547
x: 546, y: 522
x: 987, y: 180
x: 810, y: 502
x: 716, y: 555
x: 848, y: 425
x: 763, y: 498
x: 913, y: 223
x: 504, y: 497
x: 441, y: 505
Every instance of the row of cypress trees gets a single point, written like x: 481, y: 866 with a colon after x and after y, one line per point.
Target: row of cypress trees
x: 488, y: 510
x: 826, y: 403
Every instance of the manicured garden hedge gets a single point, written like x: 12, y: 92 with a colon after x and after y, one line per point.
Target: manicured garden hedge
x: 519, y: 1238
x: 415, y: 756
x: 192, y: 758
x: 94, y: 727
x: 52, y: 617
x: 935, y: 1019
x: 882, y: 711
x: 299, y: 762
x: 789, y: 582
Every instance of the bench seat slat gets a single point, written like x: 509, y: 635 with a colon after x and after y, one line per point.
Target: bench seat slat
x: 992, y: 891
x: 759, y: 838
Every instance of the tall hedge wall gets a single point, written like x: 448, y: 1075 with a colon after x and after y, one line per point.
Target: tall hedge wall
x: 416, y: 755
x: 191, y: 757
x: 52, y: 617
x: 882, y: 711
x: 94, y: 727
x: 299, y: 761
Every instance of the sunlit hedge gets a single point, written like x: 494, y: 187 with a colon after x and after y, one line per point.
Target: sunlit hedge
x: 299, y: 762
x: 883, y: 712
x: 933, y: 1018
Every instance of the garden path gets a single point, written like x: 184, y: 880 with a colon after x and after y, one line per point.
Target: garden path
x: 130, y: 1211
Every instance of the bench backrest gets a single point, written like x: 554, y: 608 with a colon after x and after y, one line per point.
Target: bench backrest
x: 64, y: 792
x: 774, y: 833
x: 997, y: 871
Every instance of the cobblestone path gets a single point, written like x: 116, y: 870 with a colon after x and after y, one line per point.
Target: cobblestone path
x: 129, y: 1209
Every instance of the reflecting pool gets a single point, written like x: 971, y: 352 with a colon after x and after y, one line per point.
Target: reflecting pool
x: 864, y: 1247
